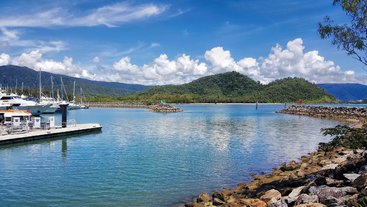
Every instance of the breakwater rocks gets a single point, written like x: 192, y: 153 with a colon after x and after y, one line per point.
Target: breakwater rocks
x: 340, y: 113
x: 323, y: 178
x: 164, y: 108
x: 117, y: 105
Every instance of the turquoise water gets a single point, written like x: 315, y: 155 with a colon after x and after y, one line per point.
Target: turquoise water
x: 151, y: 159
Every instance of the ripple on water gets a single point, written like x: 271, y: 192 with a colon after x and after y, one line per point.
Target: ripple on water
x: 152, y: 159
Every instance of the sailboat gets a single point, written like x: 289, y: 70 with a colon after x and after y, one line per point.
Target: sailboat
x: 54, y: 105
x: 82, y: 105
x: 73, y: 105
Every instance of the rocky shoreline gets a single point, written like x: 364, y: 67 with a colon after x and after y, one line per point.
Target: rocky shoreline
x: 348, y: 114
x: 164, y: 108
x: 332, y: 177
x: 117, y: 105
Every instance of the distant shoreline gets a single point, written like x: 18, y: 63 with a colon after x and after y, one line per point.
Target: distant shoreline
x: 144, y: 105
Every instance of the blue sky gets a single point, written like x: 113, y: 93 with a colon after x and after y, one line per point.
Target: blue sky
x: 172, y: 42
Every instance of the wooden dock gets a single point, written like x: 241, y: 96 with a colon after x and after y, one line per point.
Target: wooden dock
x: 51, y: 133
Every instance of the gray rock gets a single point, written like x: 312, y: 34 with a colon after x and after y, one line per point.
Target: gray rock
x: 334, y: 182
x: 363, y: 169
x: 297, y: 191
x: 332, y: 201
x: 361, y: 181
x: 324, y: 192
x: 278, y: 203
x: 290, y: 200
x: 305, y: 199
x: 330, y: 167
x: 351, y: 176
x: 218, y: 202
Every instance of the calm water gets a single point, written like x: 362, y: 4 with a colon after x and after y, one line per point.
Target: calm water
x: 151, y: 159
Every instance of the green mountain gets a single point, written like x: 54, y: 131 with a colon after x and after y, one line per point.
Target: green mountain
x: 235, y: 87
x: 11, y: 75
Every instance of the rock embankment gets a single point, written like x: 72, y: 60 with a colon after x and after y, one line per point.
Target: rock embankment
x: 164, y: 108
x: 339, y: 113
x: 117, y: 105
x: 323, y: 178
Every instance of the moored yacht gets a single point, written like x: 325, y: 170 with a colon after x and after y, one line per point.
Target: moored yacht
x: 15, y: 101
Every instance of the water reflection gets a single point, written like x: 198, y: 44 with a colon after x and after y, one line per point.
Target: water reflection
x: 142, y: 157
x: 64, y: 148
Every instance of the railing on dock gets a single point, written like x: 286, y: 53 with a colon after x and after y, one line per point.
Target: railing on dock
x: 25, y: 127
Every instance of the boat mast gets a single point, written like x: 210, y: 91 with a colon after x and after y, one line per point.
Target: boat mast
x: 52, y: 87
x: 16, y: 85
x: 40, y: 89
x: 63, y: 87
x: 74, y: 93
x: 22, y: 87
x: 81, y: 96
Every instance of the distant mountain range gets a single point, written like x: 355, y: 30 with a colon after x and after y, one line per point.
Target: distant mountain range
x: 225, y: 87
x: 11, y: 75
x: 235, y: 87
x: 346, y: 91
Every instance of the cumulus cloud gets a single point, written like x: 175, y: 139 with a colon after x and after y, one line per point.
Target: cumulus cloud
x: 4, y: 59
x: 108, y: 15
x: 161, y: 71
x: 291, y: 61
x: 35, y: 60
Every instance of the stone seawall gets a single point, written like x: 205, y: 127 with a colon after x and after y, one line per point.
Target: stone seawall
x: 351, y: 114
x: 117, y: 105
x: 164, y: 108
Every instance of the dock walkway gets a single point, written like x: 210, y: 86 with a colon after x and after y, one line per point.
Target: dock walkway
x: 50, y: 133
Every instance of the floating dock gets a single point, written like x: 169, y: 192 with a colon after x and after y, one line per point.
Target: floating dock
x: 50, y: 133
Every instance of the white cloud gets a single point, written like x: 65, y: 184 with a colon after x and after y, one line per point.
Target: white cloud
x: 292, y: 61
x: 4, y: 59
x: 12, y: 38
x: 160, y: 71
x: 109, y: 15
x: 35, y: 60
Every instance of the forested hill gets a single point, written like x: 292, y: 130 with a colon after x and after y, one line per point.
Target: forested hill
x: 235, y: 87
x: 10, y: 75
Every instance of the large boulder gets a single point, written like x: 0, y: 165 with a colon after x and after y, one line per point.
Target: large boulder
x: 351, y: 176
x: 361, y: 181
x: 253, y: 202
x: 305, y: 199
x: 203, y: 197
x: 332, y: 195
x: 277, y: 203
x: 297, y: 191
x: 271, y: 194
x: 311, y: 205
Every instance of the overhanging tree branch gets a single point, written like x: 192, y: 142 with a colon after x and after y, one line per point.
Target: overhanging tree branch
x: 352, y: 37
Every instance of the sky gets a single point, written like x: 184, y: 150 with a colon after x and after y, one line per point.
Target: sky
x: 175, y: 42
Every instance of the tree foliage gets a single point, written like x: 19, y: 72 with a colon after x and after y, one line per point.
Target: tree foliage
x: 350, y: 37
x: 233, y: 87
x: 345, y: 136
